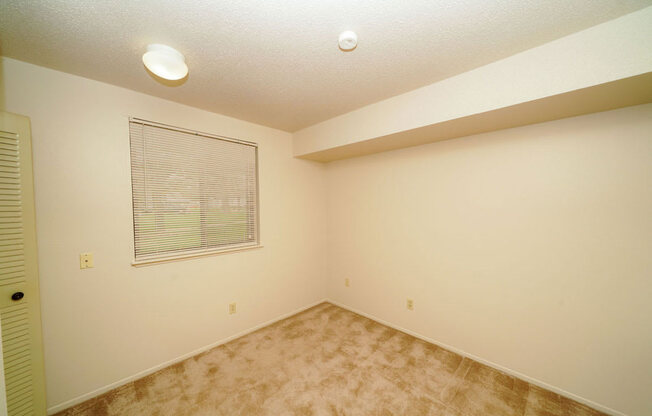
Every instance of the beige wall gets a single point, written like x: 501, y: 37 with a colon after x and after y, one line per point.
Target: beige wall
x: 529, y: 248
x: 104, y: 324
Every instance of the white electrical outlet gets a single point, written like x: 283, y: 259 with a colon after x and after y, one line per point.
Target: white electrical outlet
x: 410, y: 304
x: 231, y: 308
x: 347, y: 283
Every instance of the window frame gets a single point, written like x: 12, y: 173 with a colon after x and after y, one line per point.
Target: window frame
x: 202, y: 252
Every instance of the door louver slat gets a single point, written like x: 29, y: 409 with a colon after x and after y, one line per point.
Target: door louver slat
x: 15, y: 325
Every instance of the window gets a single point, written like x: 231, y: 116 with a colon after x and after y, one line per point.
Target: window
x: 193, y: 193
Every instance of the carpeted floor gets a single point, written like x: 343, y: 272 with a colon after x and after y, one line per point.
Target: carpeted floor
x: 329, y: 361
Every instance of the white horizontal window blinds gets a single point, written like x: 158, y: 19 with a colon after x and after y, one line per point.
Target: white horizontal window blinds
x: 192, y: 193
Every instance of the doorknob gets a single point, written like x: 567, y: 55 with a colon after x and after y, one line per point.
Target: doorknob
x: 17, y: 296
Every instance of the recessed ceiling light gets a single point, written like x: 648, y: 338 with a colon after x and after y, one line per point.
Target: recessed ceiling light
x: 348, y: 40
x: 165, y: 62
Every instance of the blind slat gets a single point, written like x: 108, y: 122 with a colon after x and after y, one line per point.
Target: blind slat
x: 191, y: 192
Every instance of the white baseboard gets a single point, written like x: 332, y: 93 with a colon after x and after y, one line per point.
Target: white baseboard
x: 506, y: 370
x: 69, y: 403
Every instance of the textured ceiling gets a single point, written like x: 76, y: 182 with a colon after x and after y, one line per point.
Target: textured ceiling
x: 277, y: 63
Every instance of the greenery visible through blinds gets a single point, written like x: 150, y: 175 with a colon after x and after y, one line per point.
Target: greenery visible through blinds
x: 192, y: 193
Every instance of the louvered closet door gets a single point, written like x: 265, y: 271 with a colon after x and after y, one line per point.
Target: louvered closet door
x: 19, y: 294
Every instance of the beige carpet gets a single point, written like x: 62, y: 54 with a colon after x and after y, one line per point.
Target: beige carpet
x: 329, y: 361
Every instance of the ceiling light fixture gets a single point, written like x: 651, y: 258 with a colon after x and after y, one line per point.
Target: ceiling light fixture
x: 348, y: 40
x: 165, y: 62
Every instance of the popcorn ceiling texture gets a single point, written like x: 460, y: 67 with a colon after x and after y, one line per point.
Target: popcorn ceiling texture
x: 329, y: 361
x: 277, y: 63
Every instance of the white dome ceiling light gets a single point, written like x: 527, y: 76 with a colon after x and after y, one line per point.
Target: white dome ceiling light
x: 348, y: 40
x: 165, y: 62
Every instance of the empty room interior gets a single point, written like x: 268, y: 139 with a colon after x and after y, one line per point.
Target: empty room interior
x: 326, y: 207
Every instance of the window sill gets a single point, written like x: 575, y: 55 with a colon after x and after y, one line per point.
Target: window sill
x: 150, y: 262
